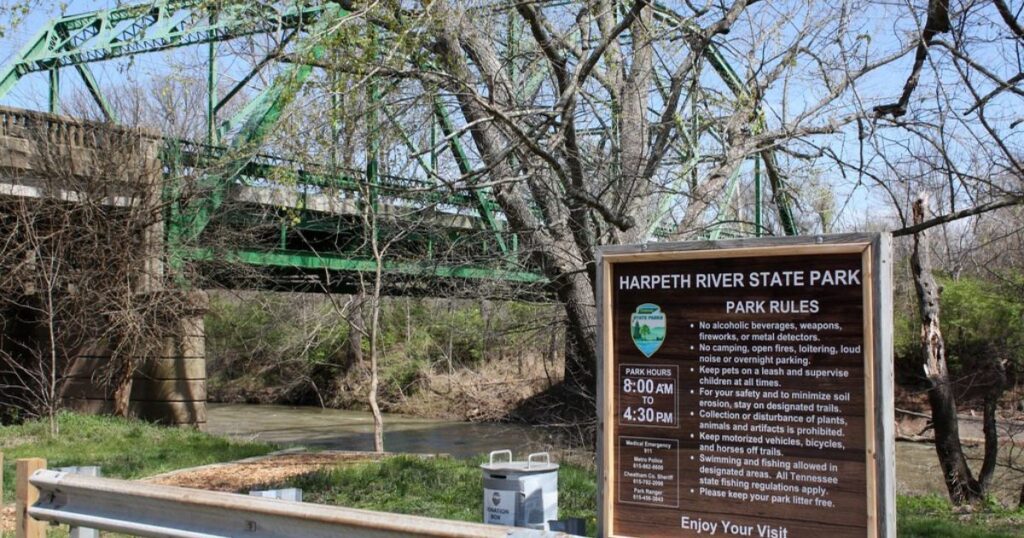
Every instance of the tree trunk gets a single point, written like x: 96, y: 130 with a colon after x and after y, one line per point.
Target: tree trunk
x: 957, y: 474
x: 370, y: 222
x: 485, y: 337
x: 548, y: 240
x: 451, y: 340
x: 52, y: 401
x: 581, y: 334
x: 996, y: 383
x: 356, y: 329
x: 123, y: 377
x: 408, y: 322
x: 123, y: 388
x: 633, y: 190
x: 378, y: 418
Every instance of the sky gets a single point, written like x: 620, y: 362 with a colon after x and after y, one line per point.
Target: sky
x: 32, y: 93
x: 853, y: 200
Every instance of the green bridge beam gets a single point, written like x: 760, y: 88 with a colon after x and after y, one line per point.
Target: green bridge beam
x: 326, y: 261
x: 164, y: 24
x: 77, y: 40
x: 252, y: 123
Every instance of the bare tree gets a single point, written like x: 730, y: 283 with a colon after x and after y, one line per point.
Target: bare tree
x: 960, y: 481
x: 81, y: 260
x: 585, y: 140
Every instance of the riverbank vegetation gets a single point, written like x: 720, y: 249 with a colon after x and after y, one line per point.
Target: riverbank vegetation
x: 123, y: 448
x: 932, y: 516
x: 983, y: 318
x: 450, y: 359
x: 444, y: 358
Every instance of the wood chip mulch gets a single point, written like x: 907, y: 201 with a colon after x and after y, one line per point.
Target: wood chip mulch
x: 243, y: 476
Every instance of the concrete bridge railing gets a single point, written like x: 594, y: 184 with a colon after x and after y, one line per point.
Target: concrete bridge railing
x: 28, y: 138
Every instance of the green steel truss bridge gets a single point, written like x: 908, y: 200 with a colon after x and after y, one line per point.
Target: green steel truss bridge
x: 312, y: 231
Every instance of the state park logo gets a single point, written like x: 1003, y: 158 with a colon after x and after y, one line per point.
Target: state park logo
x: 647, y: 327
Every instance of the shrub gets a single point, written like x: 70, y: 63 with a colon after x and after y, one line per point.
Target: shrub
x: 981, y: 320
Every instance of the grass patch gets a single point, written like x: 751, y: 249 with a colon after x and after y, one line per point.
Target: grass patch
x: 123, y: 448
x: 931, y: 516
x: 435, y: 487
x: 439, y: 487
x: 450, y: 489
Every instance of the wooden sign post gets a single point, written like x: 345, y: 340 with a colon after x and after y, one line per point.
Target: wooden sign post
x: 745, y: 388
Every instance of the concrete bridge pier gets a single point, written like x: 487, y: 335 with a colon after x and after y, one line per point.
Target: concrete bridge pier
x: 47, y: 158
x: 169, y: 384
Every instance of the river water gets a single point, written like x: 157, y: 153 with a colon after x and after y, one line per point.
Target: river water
x: 353, y: 430
x: 917, y: 468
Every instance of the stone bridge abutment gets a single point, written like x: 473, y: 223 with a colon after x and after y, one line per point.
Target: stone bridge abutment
x: 59, y: 178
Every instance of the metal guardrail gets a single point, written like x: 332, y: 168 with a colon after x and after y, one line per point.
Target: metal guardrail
x: 142, y: 509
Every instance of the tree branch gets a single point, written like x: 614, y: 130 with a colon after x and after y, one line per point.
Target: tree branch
x: 936, y: 23
x: 1007, y: 201
x: 1011, y: 22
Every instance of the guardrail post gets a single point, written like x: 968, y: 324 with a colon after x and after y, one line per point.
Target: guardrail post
x: 82, y: 532
x: 286, y: 494
x: 25, y: 496
x: 576, y: 526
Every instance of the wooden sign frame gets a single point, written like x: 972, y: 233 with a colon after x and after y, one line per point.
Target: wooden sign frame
x: 876, y: 262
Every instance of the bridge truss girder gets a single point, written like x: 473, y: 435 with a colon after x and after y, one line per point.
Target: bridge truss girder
x: 78, y: 40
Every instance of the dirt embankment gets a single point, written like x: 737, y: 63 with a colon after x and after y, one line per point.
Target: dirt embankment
x: 523, y: 388
x: 913, y: 418
x: 489, y: 393
x: 492, y: 391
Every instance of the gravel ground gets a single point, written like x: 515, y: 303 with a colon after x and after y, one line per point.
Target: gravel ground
x: 7, y: 517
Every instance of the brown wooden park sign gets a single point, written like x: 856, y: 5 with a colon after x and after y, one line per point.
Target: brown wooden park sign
x: 746, y: 388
